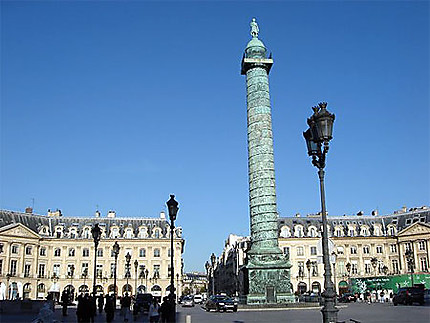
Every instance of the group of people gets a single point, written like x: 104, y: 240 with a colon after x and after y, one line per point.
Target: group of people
x: 165, y: 311
x: 87, y: 308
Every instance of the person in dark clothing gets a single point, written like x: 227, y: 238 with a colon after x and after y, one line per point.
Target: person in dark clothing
x: 100, y: 303
x: 79, y: 307
x: 165, y: 310
x: 109, y: 308
x: 64, y: 301
x: 92, y: 308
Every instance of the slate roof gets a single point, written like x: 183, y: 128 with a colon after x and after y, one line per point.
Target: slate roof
x: 35, y: 222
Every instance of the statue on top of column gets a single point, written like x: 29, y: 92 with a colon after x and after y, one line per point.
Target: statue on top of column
x: 254, y: 28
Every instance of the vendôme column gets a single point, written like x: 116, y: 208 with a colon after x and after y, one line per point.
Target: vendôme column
x: 268, y: 270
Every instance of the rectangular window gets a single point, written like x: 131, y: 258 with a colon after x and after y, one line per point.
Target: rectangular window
x: 13, y: 266
x: 408, y: 246
x: 422, y: 245
x: 14, y: 249
x: 85, y: 252
x: 393, y: 248
x: 100, y: 252
x: 27, y: 268
x: 112, y: 270
x: 1, y: 267
x: 56, y: 270
x: 1, y: 247
x: 157, y: 271
x: 142, y: 252
x: 395, y: 265
x: 301, y: 268
x: 423, y: 262
x: 169, y: 270
x: 28, y: 251
x: 286, y: 250
x: 41, y: 272
x: 300, y: 251
x: 366, y: 249
x: 379, y: 249
x: 354, y: 269
x: 99, y: 271
x: 313, y: 251
x: 314, y: 269
x: 84, y: 269
x: 353, y: 250
x: 367, y: 268
x: 42, y: 252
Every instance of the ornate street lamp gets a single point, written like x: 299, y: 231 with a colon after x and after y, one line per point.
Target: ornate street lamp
x: 136, y: 263
x: 308, y: 267
x: 411, y: 263
x: 146, y: 277
x: 317, y: 141
x: 213, y: 259
x: 72, y: 271
x: 127, y: 273
x: 96, y: 233
x: 208, y: 267
x: 115, y: 250
x: 172, y: 206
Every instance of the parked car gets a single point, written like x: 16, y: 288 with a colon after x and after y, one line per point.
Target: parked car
x: 347, y: 297
x: 220, y: 303
x: 198, y: 299
x: 142, y: 303
x: 188, y: 301
x: 408, y: 296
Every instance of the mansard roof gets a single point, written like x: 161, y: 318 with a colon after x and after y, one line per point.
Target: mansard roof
x: 35, y: 221
x: 401, y: 219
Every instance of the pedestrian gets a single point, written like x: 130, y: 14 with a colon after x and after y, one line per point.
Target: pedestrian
x: 164, y: 310
x: 79, y: 307
x: 64, y: 301
x: 92, y: 308
x: 101, y: 302
x: 109, y: 308
x: 154, y: 313
x: 125, y: 307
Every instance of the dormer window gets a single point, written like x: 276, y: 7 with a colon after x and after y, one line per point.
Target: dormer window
x: 143, y: 232
x: 285, y: 232
x: 114, y: 233
x: 129, y: 233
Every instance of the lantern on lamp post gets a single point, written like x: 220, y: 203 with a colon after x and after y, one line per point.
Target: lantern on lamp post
x: 96, y: 233
x: 172, y: 207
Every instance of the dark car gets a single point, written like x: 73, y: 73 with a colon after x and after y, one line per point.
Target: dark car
x: 408, y: 296
x: 220, y: 303
x: 347, y: 297
x: 142, y: 303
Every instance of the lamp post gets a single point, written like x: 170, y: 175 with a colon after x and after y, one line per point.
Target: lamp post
x: 317, y: 138
x: 208, y: 267
x: 136, y: 263
x: 127, y: 273
x: 411, y: 264
x: 8, y: 275
x: 172, y: 206
x: 213, y: 259
x: 308, y: 267
x: 348, y: 269
x: 115, y: 250
x: 96, y: 232
x: 146, y: 277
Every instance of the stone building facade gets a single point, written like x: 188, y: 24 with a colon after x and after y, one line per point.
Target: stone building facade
x: 361, y: 246
x: 41, y: 254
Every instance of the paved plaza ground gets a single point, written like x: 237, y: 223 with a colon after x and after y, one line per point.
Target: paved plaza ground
x: 361, y: 312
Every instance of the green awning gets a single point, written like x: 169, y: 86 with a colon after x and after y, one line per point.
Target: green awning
x: 343, y: 284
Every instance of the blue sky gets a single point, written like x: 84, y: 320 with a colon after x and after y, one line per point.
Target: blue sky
x: 119, y: 104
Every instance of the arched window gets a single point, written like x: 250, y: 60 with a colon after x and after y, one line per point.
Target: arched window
x: 86, y: 233
x: 285, y: 232
x: 156, y: 252
x: 301, y: 288
x: 143, y: 233
x: 312, y: 232
x: 298, y: 231
x: 156, y: 233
